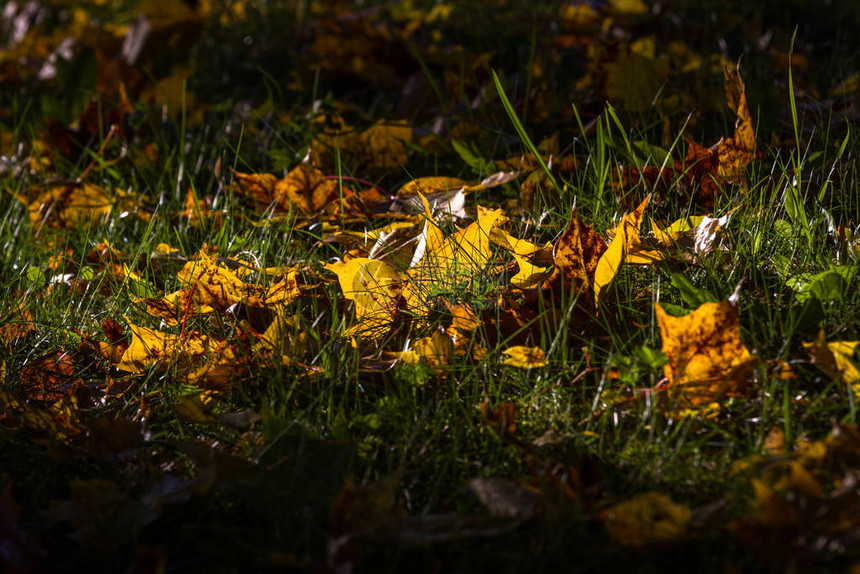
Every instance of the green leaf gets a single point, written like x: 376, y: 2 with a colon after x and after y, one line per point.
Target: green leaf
x: 521, y: 131
x: 469, y: 155
x: 692, y: 295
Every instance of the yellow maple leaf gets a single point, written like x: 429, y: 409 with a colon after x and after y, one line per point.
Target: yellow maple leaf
x: 465, y: 253
x: 383, y: 144
x: 199, y: 359
x: 706, y: 356
x: 150, y: 346
x: 376, y: 288
x: 529, y: 275
x: 281, y: 339
x: 208, y: 288
x: 626, y: 235
x: 430, y: 185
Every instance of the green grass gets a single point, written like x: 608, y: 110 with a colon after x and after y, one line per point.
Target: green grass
x: 343, y: 440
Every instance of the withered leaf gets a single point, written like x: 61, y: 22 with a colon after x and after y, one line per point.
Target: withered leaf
x: 51, y: 378
x: 578, y: 252
x: 706, y: 356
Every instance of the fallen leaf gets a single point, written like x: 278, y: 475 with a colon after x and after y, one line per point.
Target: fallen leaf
x: 706, y: 358
x: 525, y: 357
x: 52, y: 377
x: 626, y: 235
x: 578, y: 252
x: 836, y: 359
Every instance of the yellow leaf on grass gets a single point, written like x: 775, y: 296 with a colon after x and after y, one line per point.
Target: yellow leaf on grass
x: 540, y: 254
x: 258, y: 187
x: 284, y: 291
x: 383, y: 144
x: 66, y: 205
x: 376, y: 288
x: 529, y: 275
x: 706, y: 356
x: 691, y: 237
x: 646, y: 519
x: 197, y: 358
x: 165, y: 249
x: 208, y: 288
x: 525, y: 357
x: 459, y: 258
x: 304, y: 188
x: 836, y: 359
x: 282, y: 339
x: 626, y: 235
x: 429, y: 185
x: 435, y: 350
x: 149, y: 346
x: 467, y: 251
x: 431, y: 238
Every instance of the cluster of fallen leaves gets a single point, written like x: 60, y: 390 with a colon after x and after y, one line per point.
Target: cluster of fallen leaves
x: 425, y: 275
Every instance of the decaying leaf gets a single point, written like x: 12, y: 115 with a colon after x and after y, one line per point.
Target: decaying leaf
x: 577, y: 254
x: 501, y: 419
x: 706, y: 356
x: 52, y: 377
x: 735, y: 153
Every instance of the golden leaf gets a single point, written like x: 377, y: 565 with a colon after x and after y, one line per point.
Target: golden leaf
x: 540, y: 254
x: 435, y: 350
x: 66, y: 206
x: 429, y: 185
x: 736, y: 152
x: 259, y: 187
x: 836, y: 359
x: 198, y: 359
x: 529, y: 275
x: 208, y: 288
x: 525, y: 357
x: 16, y: 325
x: 304, y: 188
x: 383, y: 144
x: 626, y: 235
x: 376, y: 288
x: 149, y: 347
x: 281, y: 340
x: 706, y: 356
